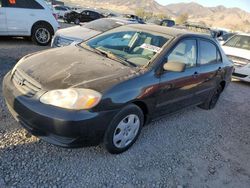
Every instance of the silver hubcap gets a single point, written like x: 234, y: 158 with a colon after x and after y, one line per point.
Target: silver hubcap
x: 42, y: 35
x: 126, y: 131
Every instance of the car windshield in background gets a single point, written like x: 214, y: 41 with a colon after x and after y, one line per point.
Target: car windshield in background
x: 239, y: 41
x: 103, y: 24
x: 135, y: 47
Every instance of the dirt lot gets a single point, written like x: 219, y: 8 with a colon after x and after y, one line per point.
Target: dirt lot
x: 193, y: 148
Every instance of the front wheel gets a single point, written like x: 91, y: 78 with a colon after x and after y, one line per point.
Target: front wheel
x: 42, y: 34
x: 211, y: 102
x: 124, y: 129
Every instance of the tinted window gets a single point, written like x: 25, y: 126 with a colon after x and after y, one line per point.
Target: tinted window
x: 30, y: 4
x: 208, y: 53
x: 239, y: 41
x: 185, y: 52
x: 137, y: 47
x: 103, y: 25
x: 3, y: 3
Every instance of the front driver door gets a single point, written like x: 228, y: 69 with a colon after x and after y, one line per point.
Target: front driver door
x: 177, y: 89
x: 3, y: 24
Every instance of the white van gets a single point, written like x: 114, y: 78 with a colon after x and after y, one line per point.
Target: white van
x: 28, y: 18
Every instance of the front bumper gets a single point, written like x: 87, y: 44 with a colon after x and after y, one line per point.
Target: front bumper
x: 58, y: 126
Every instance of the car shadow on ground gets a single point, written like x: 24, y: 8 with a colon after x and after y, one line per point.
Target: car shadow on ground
x: 15, y: 40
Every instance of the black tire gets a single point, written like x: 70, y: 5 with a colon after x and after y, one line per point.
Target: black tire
x: 212, y: 100
x: 45, y: 30
x: 77, y: 21
x: 111, y: 132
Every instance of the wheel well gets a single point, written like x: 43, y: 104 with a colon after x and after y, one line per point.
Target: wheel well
x: 143, y: 107
x: 43, y: 23
x: 223, y: 84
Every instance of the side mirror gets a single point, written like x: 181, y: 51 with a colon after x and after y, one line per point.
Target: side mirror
x: 174, y: 66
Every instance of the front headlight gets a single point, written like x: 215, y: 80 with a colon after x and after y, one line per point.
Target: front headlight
x: 73, y: 98
x: 60, y: 42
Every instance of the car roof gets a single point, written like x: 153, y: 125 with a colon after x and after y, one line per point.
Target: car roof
x: 166, y: 30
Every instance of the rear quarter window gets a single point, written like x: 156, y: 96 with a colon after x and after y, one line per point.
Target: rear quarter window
x: 27, y: 4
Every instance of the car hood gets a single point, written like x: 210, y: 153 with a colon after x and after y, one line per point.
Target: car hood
x: 77, y: 33
x: 236, y: 52
x: 76, y: 67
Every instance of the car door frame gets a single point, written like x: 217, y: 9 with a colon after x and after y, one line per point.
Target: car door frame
x: 169, y: 87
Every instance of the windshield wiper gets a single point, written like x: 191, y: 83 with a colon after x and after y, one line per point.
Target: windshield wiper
x: 112, y: 56
x: 107, y: 54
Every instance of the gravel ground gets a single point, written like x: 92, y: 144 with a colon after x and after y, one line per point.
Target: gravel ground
x: 192, y: 148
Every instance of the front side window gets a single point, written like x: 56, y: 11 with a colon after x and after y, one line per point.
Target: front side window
x: 136, y: 47
x: 239, y: 41
x: 28, y: 4
x: 208, y: 53
x: 185, y: 52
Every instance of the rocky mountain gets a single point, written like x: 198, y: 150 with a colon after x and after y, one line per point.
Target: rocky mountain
x: 220, y: 16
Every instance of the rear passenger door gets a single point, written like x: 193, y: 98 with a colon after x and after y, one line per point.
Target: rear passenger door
x: 210, y: 68
x: 20, y: 15
x: 3, y: 25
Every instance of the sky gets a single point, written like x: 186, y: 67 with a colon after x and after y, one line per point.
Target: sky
x: 243, y: 4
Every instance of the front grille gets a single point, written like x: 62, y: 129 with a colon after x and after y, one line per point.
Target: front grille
x: 26, y: 85
x: 239, y: 75
x: 238, y: 61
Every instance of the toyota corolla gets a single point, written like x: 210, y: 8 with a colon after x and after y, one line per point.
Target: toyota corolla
x: 106, y: 89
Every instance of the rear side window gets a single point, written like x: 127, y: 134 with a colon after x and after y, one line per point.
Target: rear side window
x: 209, y: 53
x: 28, y: 4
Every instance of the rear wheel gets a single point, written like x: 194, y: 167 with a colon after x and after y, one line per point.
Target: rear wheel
x: 124, y: 129
x: 211, y: 102
x: 42, y: 34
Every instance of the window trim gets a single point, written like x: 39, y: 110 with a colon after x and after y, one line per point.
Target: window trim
x: 217, y: 51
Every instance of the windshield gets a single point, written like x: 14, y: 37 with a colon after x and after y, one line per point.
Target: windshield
x: 103, y: 24
x: 135, y: 47
x: 239, y: 41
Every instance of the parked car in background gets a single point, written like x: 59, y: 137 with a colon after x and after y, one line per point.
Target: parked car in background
x: 237, y: 49
x: 77, y: 34
x: 162, y: 22
x: 61, y: 10
x: 82, y: 16
x: 107, y: 88
x: 195, y: 27
x: 134, y: 18
x: 222, y: 39
x: 31, y: 18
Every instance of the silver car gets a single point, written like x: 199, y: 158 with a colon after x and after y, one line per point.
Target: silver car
x: 77, y: 34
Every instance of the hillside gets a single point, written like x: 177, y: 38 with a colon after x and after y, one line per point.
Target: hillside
x: 220, y: 16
